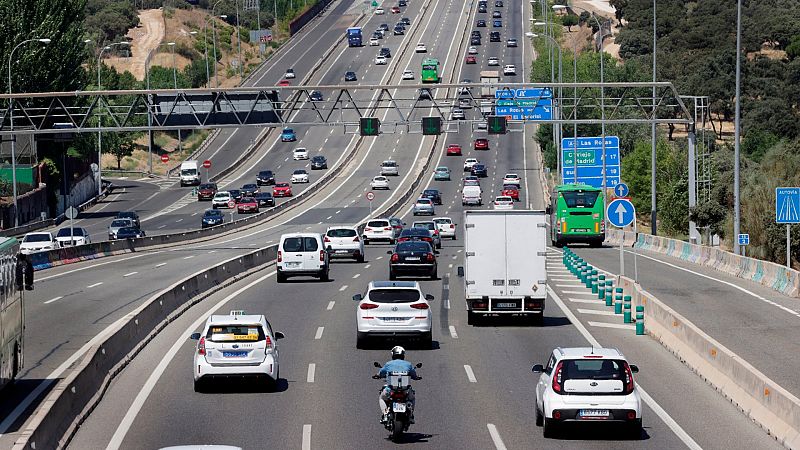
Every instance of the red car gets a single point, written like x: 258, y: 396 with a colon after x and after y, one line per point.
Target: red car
x: 511, y: 190
x: 284, y: 83
x: 481, y: 144
x: 453, y: 150
x: 471, y: 60
x: 395, y: 10
x: 206, y: 191
x: 282, y: 190
x: 247, y: 205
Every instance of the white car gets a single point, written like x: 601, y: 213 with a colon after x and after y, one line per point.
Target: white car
x: 468, y: 163
x: 344, y: 242
x: 221, y: 199
x: 67, y: 237
x: 408, y: 74
x: 236, y: 346
x: 503, y: 202
x: 457, y: 114
x: 302, y: 254
x: 447, y: 229
x: 423, y: 206
x: 40, y: 241
x: 380, y: 230
x: 300, y: 176
x: 392, y: 309
x: 374, y: 42
x: 389, y: 167
x: 380, y: 60
x: 464, y: 103
x: 472, y: 51
x: 380, y: 11
x: 300, y: 153
x: 512, y: 178
x: 421, y: 48
x: 509, y: 69
x: 587, y: 384
x: 379, y: 182
x: 289, y: 74
x: 493, y: 61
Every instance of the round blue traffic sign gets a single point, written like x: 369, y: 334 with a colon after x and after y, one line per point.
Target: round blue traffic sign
x: 620, y: 212
x: 621, y: 190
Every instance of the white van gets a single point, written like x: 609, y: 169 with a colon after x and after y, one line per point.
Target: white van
x: 190, y: 174
x: 471, y: 195
x: 302, y: 254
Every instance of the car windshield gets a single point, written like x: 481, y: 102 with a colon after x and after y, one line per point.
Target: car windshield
x: 442, y: 221
x: 188, y: 172
x: 288, y: 130
x: 300, y: 244
x: 207, y: 186
x: 282, y: 185
x: 593, y: 369
x: 38, y: 237
x: 222, y: 195
x: 120, y: 223
x: 394, y: 295
x: 235, y: 192
x: 299, y: 172
x: 265, y: 173
x: 235, y: 333
x: 248, y: 200
x: 250, y: 186
x: 426, y: 225
x: 213, y: 213
x: 65, y: 232
x: 431, y: 192
x: 423, y: 201
x: 510, y: 187
x: 413, y: 246
x: 263, y: 195
x: 441, y: 169
x: 415, y: 232
x: 389, y: 164
x: 580, y: 199
x: 342, y: 233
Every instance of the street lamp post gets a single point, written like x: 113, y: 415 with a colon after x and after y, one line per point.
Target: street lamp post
x: 552, y: 74
x: 239, y: 40
x: 175, y: 85
x: 653, y: 226
x: 100, y: 118
x: 737, y: 137
x: 11, y: 126
x: 557, y: 135
x: 214, y: 38
x: 149, y: 112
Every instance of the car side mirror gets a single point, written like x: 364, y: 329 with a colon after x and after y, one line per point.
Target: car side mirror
x: 538, y: 368
x: 358, y: 297
x: 377, y: 364
x: 429, y: 297
x: 194, y: 336
x: 419, y: 365
x: 461, y: 271
x: 389, y: 252
x: 279, y: 335
x: 634, y: 368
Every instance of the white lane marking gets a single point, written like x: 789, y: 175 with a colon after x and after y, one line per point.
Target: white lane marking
x: 116, y: 261
x: 570, y: 285
x: 328, y: 218
x: 453, y: 333
x: 470, y: 374
x: 306, y: 437
x: 498, y: 441
x: 129, y: 274
x: 94, y: 285
x: 214, y: 251
x: 194, y: 214
x: 312, y: 369
x: 188, y: 257
x: 668, y: 420
x: 356, y: 276
x: 149, y: 385
x: 455, y: 256
x: 342, y: 289
x: 593, y: 302
x: 597, y: 312
x: 337, y: 212
x: 179, y: 220
x: 379, y: 257
x: 160, y: 265
x: 619, y: 326
x: 162, y: 226
x: 330, y: 305
x: 319, y: 333
x: 450, y: 266
x: 54, y: 299
x: 367, y: 266
x: 578, y: 292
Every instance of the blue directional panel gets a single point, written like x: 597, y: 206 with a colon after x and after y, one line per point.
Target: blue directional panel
x: 590, y: 161
x: 524, y: 104
x: 787, y: 205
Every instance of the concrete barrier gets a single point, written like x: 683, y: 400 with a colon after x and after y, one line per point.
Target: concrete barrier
x: 774, y: 408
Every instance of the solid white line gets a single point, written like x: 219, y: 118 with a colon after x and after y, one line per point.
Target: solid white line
x: 129, y: 274
x: 597, y: 312
x: 470, y: 374
x: 159, y: 265
x: 312, y: 368
x: 579, y: 292
x: 116, y: 261
x: 330, y: 305
x: 189, y: 257
x: 619, y: 326
x: 306, y: 437
x: 668, y: 420
x: 453, y: 333
x: 53, y: 299
x: 149, y: 385
x: 498, y: 442
x: 356, y: 276
x: 319, y: 333
x: 94, y: 285
x: 593, y: 302
x: 342, y: 289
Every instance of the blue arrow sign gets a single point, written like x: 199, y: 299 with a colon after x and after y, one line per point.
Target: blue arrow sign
x: 621, y: 190
x: 787, y: 205
x: 621, y: 212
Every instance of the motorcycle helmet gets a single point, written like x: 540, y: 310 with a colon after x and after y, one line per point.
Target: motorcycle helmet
x: 398, y: 352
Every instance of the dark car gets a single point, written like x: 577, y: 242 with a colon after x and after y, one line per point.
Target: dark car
x: 498, y: 3
x: 265, y: 199
x: 319, y: 162
x: 497, y: 24
x: 412, y: 258
x: 250, y: 189
x: 475, y: 40
x: 130, y: 215
x: 265, y: 177
x: 385, y: 52
x: 496, y: 15
x: 402, y: 3
x: 425, y: 94
x: 415, y: 234
x: 399, y: 31
x: 481, y: 23
x: 406, y: 20
x: 384, y: 27
x: 494, y: 36
x: 130, y: 233
x: 476, y: 33
x: 315, y: 96
x: 481, y: 8
x: 479, y: 170
x: 206, y: 191
x: 212, y: 217
x: 236, y: 194
x: 350, y: 76
x: 432, y: 194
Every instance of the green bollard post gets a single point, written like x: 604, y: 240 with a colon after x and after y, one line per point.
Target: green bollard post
x: 618, y: 304
x: 601, y: 287
x: 592, y: 277
x: 609, y: 298
x: 626, y: 315
x: 594, y: 285
x: 640, y: 320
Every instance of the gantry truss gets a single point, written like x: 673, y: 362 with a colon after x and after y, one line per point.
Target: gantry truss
x: 342, y: 105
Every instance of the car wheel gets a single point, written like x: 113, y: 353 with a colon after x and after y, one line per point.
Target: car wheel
x: 472, y: 318
x: 361, y: 342
x: 391, y: 241
x: 427, y: 341
x: 281, y: 278
x: 549, y: 430
x: 199, y: 386
x: 634, y: 429
x: 434, y: 274
x: 360, y: 258
x: 539, y: 418
x: 454, y: 237
x: 325, y: 275
x: 536, y: 320
x: 392, y: 276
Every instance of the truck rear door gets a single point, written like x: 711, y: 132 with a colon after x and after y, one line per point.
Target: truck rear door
x: 526, y: 246
x: 485, y: 245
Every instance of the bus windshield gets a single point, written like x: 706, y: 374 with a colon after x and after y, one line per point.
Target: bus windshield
x: 580, y: 199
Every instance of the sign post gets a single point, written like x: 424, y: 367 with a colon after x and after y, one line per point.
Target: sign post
x: 787, y: 211
x: 71, y: 213
x: 370, y: 196
x: 744, y: 241
x: 207, y: 165
x: 621, y: 213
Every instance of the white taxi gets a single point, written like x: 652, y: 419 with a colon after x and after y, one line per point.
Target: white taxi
x: 392, y: 309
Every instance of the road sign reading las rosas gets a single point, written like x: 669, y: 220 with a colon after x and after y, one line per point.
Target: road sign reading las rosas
x: 787, y: 205
x: 621, y: 212
x: 590, y: 160
x: 524, y: 104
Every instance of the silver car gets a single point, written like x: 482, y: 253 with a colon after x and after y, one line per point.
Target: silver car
x: 389, y: 167
x: 423, y: 206
x: 116, y: 225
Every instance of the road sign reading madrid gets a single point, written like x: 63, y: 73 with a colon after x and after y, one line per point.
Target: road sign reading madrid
x: 590, y: 160
x: 621, y: 212
x: 787, y: 205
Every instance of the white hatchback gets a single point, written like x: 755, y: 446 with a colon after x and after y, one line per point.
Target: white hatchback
x: 379, y: 182
x: 221, y: 200
x: 392, y: 309
x: 493, y: 61
x: 302, y: 254
x: 509, y: 69
x: 408, y: 74
x: 374, y: 42
x: 468, y: 163
x: 503, y: 202
x: 236, y: 346
x: 447, y: 229
x: 421, y: 48
x: 380, y: 60
x: 300, y: 153
x: 472, y: 51
x: 512, y: 178
x: 379, y: 230
x: 380, y: 11
x: 300, y: 176
x: 344, y: 242
x: 586, y: 384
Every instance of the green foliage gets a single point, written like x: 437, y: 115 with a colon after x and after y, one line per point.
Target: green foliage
x: 793, y: 49
x: 709, y: 215
x: 195, y: 73
x: 569, y: 21
x: 671, y: 168
x: 163, y: 78
x: 110, y: 19
x: 756, y: 143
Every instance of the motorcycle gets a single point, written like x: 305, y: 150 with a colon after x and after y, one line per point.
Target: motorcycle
x: 399, y: 417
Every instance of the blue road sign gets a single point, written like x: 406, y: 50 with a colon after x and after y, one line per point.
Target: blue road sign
x: 590, y: 161
x: 787, y: 205
x: 621, y: 190
x: 525, y: 112
x: 744, y: 239
x: 524, y: 104
x: 621, y: 212
x: 523, y: 93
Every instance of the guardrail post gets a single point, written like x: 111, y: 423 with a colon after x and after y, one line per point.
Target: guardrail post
x: 601, y: 287
x: 618, y: 301
x: 640, y: 320
x: 593, y: 282
x: 626, y: 316
x: 609, y: 298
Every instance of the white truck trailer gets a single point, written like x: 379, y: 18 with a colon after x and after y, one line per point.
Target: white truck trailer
x: 505, y: 255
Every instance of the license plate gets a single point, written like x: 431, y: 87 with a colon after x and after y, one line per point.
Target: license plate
x: 292, y: 264
x: 399, y: 407
x: 412, y: 258
x: 340, y: 251
x: 593, y: 413
x: 234, y: 354
x: 393, y: 319
x: 506, y: 305
x: 580, y: 230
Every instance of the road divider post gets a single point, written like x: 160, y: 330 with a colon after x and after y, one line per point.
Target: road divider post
x: 626, y: 314
x: 640, y: 320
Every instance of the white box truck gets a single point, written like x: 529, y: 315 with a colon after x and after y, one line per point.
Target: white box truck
x: 190, y: 173
x: 505, y: 256
x: 489, y: 78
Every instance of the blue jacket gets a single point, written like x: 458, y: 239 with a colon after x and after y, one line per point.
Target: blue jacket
x: 398, y: 365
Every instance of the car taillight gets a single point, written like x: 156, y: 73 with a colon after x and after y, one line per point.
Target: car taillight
x: 427, y: 239
x: 429, y: 257
x: 387, y: 228
x: 452, y: 226
x: 367, y: 229
x: 366, y: 306
x: 420, y: 306
x: 280, y: 256
x: 201, y: 346
x: 557, y: 377
x: 628, y: 379
x: 322, y: 255
x: 435, y: 232
x: 326, y: 239
x: 395, y: 257
x: 355, y: 239
x: 268, y: 343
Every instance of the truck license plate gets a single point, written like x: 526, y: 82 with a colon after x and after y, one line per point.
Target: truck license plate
x: 506, y: 305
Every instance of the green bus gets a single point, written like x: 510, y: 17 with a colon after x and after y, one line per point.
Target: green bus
x: 430, y: 70
x: 12, y: 314
x: 577, y: 215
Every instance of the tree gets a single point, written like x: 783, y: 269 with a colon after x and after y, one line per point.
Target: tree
x: 569, y: 21
x: 120, y: 145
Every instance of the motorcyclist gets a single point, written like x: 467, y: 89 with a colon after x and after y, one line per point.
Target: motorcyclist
x: 396, y: 364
